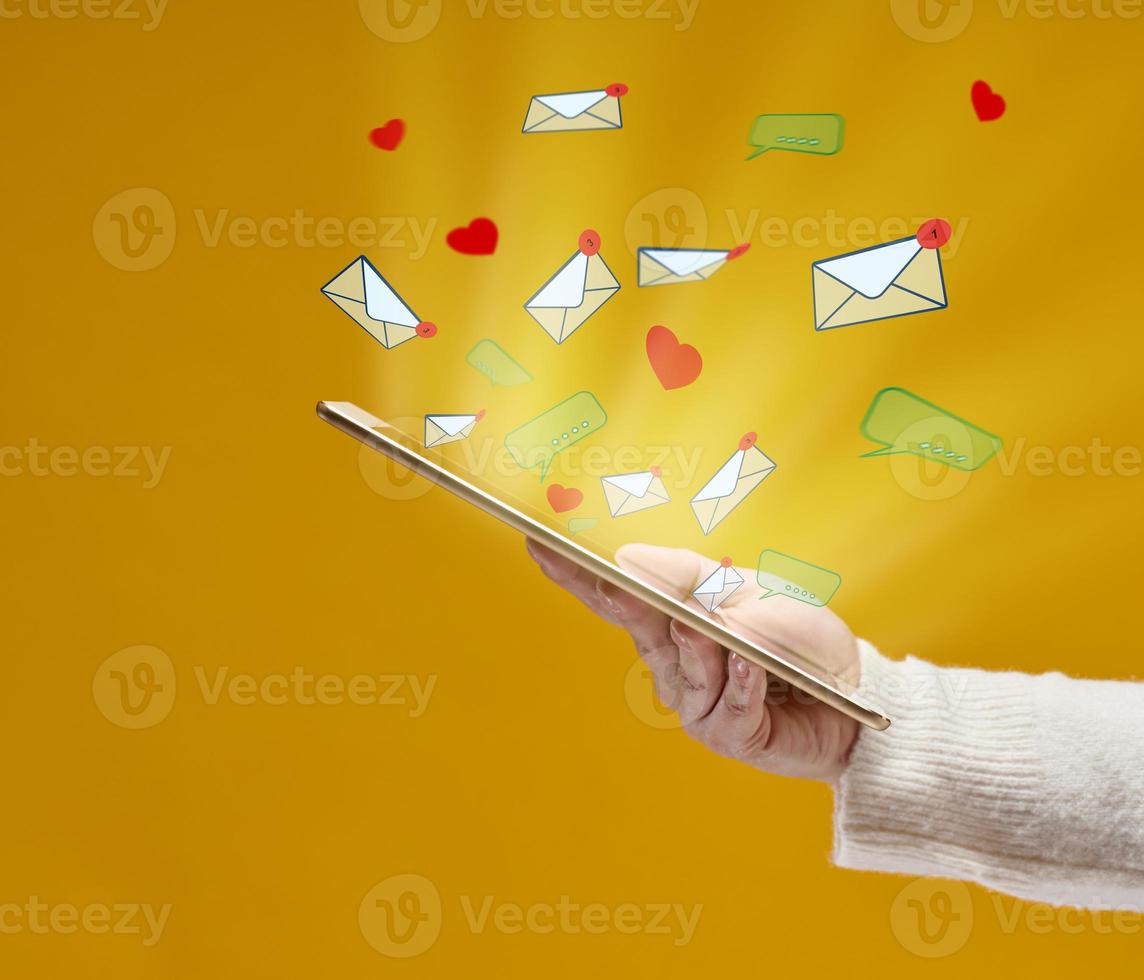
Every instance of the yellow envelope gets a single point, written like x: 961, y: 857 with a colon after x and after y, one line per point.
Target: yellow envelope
x: 742, y: 473
x: 362, y: 292
x: 570, y: 112
x: 629, y: 493
x: 443, y: 429
x: 879, y: 283
x: 582, y: 285
x: 666, y: 266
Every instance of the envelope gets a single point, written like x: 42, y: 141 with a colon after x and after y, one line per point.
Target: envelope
x: 570, y: 112
x: 879, y: 283
x: 743, y: 472
x: 666, y: 266
x: 443, y: 429
x: 361, y: 291
x: 629, y: 493
x: 583, y: 284
x: 718, y: 587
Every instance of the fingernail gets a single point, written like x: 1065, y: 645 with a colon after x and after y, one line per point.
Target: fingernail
x: 604, y: 590
x: 537, y: 557
x: 680, y: 638
x: 739, y: 667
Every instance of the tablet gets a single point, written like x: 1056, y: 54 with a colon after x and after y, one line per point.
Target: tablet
x: 785, y: 664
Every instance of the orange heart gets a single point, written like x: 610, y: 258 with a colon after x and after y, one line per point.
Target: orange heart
x: 562, y: 499
x: 675, y: 364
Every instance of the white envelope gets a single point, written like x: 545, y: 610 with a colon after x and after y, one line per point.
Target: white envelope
x: 568, y: 112
x: 664, y: 266
x: 362, y: 292
x: 879, y: 283
x: 629, y: 493
x: 443, y: 429
x: 582, y: 285
x: 718, y: 587
x: 742, y: 473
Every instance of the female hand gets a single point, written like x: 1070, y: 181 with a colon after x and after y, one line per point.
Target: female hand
x: 724, y: 701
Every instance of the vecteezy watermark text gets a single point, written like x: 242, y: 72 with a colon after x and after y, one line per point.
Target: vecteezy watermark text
x: 148, y: 12
x: 38, y: 918
x: 115, y: 462
x: 402, y: 917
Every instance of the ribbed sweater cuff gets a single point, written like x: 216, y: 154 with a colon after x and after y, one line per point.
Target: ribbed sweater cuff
x: 1029, y: 785
x: 951, y: 789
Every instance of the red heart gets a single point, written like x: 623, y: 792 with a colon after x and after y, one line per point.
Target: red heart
x: 675, y: 364
x: 562, y: 499
x: 479, y: 238
x: 388, y: 136
x: 986, y: 103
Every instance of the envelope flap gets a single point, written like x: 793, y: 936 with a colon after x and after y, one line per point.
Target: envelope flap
x: 755, y: 461
x: 382, y: 303
x: 572, y: 104
x: 684, y: 261
x: 451, y: 425
x: 348, y: 283
x: 722, y: 484
x: 713, y: 584
x: 873, y: 270
x: 566, y: 288
x: 636, y: 484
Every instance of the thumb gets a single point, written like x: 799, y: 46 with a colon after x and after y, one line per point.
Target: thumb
x: 675, y: 571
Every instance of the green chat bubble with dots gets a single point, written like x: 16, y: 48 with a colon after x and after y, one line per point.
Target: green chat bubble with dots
x: 782, y: 574
x: 538, y: 442
x: 905, y: 423
x: 817, y: 133
x: 494, y: 363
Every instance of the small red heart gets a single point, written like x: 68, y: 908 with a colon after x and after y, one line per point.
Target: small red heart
x: 986, y: 103
x: 675, y: 364
x: 479, y: 238
x: 562, y: 499
x: 388, y: 137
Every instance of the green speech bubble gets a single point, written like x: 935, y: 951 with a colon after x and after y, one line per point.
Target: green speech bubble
x: 536, y: 443
x: 816, y: 133
x: 579, y: 525
x: 905, y: 423
x: 781, y: 574
x: 490, y: 359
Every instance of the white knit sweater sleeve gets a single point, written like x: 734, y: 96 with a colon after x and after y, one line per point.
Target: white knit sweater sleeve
x: 1031, y: 785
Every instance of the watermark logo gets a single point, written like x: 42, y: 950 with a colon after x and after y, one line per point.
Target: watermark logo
x: 932, y: 21
x: 400, y: 21
x: 388, y: 478
x: 135, y: 230
x: 927, y: 479
x: 401, y: 916
x: 643, y: 700
x: 135, y: 688
x: 671, y: 217
x: 932, y: 919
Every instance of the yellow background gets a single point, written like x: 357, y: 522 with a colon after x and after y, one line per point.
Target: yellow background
x: 265, y: 546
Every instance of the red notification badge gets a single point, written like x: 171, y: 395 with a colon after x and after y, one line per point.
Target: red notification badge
x: 934, y: 233
x: 589, y: 242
